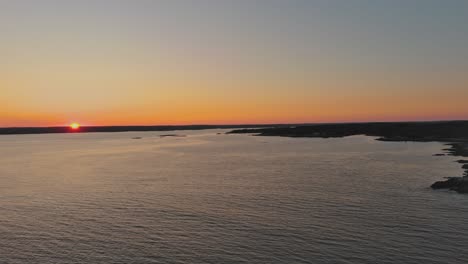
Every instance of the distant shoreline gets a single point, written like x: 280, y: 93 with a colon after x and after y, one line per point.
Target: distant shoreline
x: 109, y: 129
x: 289, y: 130
x: 453, y: 133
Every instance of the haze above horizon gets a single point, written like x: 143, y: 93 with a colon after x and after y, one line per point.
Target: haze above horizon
x: 180, y: 62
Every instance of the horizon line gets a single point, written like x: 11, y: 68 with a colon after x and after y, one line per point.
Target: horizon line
x: 235, y: 125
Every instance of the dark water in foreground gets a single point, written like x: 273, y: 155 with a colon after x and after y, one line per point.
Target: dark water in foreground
x: 207, y: 198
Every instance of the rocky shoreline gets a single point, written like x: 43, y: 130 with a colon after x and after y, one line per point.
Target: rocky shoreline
x: 458, y: 184
x: 453, y: 133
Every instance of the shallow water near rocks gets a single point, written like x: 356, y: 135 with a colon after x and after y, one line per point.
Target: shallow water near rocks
x: 208, y: 198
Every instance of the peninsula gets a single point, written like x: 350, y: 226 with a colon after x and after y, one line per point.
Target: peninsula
x: 453, y: 133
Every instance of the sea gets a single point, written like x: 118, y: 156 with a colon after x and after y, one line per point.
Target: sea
x: 210, y: 197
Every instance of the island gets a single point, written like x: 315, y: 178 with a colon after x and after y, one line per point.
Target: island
x: 453, y: 133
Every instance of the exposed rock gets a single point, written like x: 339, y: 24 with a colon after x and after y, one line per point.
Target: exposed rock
x: 439, y: 154
x: 462, y: 187
x: 449, y: 183
x: 171, y: 135
x: 459, y: 184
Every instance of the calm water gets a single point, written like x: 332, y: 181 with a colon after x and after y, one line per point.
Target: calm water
x: 208, y: 198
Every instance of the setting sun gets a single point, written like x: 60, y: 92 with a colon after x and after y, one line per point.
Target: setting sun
x: 74, y: 126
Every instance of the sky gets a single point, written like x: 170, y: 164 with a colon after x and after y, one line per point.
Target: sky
x: 142, y: 62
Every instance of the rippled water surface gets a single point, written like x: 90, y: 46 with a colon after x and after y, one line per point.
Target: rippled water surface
x: 208, y: 198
